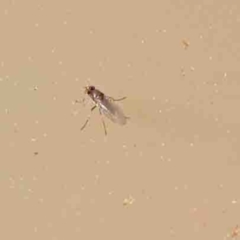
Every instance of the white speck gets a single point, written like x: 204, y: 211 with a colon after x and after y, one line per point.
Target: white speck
x: 210, y: 26
x: 216, y: 119
x: 176, y: 188
x: 225, y: 75
x: 1, y: 79
x: 185, y: 187
x: 78, y: 213
x: 65, y: 23
x: 36, y: 25
x: 163, y: 144
x: 63, y: 73
x: 159, y: 111
x: 192, y: 68
x: 196, y: 136
x: 228, y: 131
x: 142, y: 41
x: 83, y: 188
x: 40, y: 200
x: 194, y: 210
x: 191, y: 144
x: 172, y: 232
x: 15, y: 84
x: 11, y: 179
x: 220, y: 185
x: 75, y: 113
x: 77, y: 79
x: 164, y: 30
x: 54, y: 98
x: 53, y: 50
x: 201, y: 36
x: 91, y: 32
x: 169, y: 159
x: 183, y: 73
x: 101, y: 64
x: 33, y: 139
x: 129, y: 65
x: 77, y: 229
x: 234, y: 201
x: 40, y: 7
x: 205, y: 201
x: 96, y: 177
x: 35, y: 88
x: 153, y: 98
x: 60, y: 62
x: 110, y: 193
x: 45, y: 135
x: 2, y: 64
x: 26, y: 197
x: 124, y: 146
x: 34, y: 178
x: 210, y: 58
x: 128, y: 201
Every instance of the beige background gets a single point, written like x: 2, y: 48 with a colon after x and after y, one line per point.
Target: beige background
x: 172, y: 172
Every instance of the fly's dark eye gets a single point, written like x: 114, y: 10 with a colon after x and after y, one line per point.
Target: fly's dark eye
x: 91, y: 88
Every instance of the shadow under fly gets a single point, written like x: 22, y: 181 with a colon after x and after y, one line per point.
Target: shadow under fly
x: 106, y: 106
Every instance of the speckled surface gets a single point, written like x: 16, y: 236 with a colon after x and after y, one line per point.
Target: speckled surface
x: 172, y: 172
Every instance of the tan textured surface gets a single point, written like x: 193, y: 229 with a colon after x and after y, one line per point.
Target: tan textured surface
x: 172, y: 172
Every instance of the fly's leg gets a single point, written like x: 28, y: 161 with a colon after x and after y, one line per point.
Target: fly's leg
x: 103, y: 123
x: 85, y: 124
x: 118, y: 99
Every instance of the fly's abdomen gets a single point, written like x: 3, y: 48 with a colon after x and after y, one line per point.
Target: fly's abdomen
x: 112, y: 111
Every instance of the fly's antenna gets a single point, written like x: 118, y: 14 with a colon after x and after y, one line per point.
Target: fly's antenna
x: 85, y: 92
x: 85, y: 88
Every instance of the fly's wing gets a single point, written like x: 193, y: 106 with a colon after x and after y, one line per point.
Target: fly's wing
x: 112, y: 111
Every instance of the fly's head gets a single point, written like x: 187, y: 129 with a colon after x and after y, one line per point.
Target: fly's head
x: 94, y: 93
x: 89, y: 90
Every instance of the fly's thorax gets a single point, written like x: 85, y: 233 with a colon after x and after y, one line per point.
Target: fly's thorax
x: 96, y: 95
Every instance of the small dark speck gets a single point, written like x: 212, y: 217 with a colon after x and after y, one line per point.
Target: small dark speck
x: 36, y: 153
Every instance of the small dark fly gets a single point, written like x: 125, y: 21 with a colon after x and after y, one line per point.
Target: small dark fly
x: 106, y: 106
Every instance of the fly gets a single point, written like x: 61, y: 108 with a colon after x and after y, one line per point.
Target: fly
x: 106, y: 106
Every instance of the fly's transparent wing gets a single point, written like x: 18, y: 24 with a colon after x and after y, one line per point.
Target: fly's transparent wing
x: 112, y: 111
